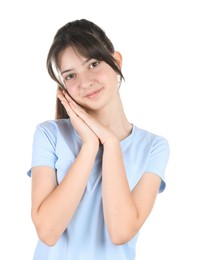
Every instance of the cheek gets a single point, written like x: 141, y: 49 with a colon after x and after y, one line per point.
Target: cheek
x: 109, y: 81
x: 107, y: 75
x: 74, y: 94
x: 72, y: 91
x: 104, y: 77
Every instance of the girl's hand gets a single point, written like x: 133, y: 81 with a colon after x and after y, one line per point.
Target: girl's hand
x: 85, y: 132
x: 102, y: 133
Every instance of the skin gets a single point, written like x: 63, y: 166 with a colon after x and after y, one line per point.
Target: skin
x: 96, y: 112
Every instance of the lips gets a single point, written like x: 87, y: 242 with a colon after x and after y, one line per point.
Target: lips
x: 93, y: 94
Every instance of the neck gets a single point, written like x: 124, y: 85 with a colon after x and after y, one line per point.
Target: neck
x: 113, y: 117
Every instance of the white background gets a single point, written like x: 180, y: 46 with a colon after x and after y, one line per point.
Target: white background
x: 161, y: 44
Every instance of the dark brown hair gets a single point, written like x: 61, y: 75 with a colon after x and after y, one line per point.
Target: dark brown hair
x: 87, y: 39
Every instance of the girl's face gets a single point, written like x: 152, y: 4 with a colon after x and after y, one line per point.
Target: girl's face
x: 91, y: 83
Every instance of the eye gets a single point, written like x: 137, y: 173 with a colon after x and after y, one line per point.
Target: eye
x: 94, y: 64
x: 70, y: 76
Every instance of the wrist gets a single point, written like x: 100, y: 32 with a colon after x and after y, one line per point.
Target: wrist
x: 91, y: 147
x: 111, y: 140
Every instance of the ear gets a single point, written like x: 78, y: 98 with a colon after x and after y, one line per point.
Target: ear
x: 118, y: 57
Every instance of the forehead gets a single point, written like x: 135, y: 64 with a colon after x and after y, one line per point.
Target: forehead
x: 69, y: 57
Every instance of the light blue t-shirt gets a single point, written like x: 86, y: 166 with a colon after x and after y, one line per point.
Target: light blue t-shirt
x: 56, y: 144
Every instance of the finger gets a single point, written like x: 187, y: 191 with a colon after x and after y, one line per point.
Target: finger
x: 70, y: 112
x: 78, y: 109
x: 60, y: 93
x: 67, y: 96
x: 62, y: 97
x: 59, y: 89
x: 66, y: 105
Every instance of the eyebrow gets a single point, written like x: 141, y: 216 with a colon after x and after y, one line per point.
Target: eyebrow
x: 65, y: 71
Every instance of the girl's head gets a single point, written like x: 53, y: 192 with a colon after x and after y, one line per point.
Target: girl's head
x: 86, y: 38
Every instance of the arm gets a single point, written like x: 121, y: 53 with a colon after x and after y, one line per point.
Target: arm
x: 53, y: 206
x: 124, y: 211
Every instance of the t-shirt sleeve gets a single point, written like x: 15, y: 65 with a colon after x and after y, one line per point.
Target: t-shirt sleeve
x: 158, y: 158
x: 43, y: 147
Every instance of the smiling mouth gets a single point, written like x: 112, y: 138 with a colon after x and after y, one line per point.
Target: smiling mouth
x: 93, y: 94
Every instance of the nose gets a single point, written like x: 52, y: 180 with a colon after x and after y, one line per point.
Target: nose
x: 86, y: 80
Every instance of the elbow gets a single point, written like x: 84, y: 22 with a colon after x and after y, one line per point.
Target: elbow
x: 118, y: 241
x: 46, y: 234
x: 122, y: 237
x: 47, y: 238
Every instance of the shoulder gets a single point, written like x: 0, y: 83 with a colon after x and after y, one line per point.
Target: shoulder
x: 148, y: 143
x: 149, y: 138
x: 156, y: 151
x: 54, y: 127
x: 156, y: 147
